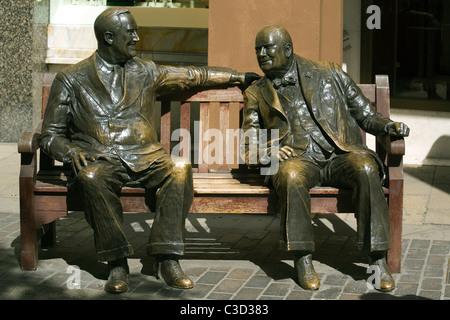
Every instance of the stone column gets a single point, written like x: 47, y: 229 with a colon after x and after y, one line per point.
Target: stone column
x: 23, y: 42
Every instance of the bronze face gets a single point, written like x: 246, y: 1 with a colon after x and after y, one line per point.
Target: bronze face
x: 124, y: 38
x: 272, y: 51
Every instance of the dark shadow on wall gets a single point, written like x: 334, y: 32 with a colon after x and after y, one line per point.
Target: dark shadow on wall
x: 440, y: 149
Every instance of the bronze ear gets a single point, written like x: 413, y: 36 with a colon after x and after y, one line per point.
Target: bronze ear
x: 108, y: 36
x: 288, y: 49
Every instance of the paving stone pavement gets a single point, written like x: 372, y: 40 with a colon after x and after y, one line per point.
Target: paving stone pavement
x: 234, y: 257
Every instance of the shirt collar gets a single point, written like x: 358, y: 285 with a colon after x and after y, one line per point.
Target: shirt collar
x: 103, y: 65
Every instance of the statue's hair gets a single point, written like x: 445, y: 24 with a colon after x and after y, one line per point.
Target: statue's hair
x: 108, y: 20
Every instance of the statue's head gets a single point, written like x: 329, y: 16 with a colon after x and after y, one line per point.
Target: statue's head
x: 274, y: 50
x: 116, y: 33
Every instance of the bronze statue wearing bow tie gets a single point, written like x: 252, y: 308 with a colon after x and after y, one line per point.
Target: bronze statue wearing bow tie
x: 318, y: 111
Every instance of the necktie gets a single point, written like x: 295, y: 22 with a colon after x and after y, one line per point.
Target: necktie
x: 117, y: 84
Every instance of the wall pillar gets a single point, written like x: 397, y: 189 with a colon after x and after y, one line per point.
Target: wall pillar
x: 23, y: 30
x: 316, y: 27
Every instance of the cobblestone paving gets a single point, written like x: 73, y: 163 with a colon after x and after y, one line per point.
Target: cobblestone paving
x: 225, y: 264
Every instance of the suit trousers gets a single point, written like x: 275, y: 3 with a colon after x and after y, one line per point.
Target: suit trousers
x: 100, y: 183
x: 355, y: 170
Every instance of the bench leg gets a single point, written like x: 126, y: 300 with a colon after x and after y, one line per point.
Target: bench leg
x: 396, y: 219
x: 28, y: 236
x: 29, y: 246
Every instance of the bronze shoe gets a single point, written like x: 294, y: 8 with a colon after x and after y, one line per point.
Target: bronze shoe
x: 171, y: 272
x: 307, y: 276
x: 387, y: 282
x: 117, y: 280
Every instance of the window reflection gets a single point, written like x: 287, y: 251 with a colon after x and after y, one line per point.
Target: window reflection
x: 423, y: 49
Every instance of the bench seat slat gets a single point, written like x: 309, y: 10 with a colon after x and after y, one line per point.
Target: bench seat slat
x: 226, y: 186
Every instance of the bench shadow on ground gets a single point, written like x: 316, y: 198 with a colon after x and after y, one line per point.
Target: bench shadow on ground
x: 252, y: 240
x: 434, y: 175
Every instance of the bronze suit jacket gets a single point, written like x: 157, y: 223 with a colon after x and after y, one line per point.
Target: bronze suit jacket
x: 334, y: 100
x: 80, y: 113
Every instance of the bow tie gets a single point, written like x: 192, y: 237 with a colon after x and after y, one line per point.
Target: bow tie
x: 286, y: 81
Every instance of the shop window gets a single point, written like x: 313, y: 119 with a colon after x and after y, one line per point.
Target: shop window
x: 413, y: 48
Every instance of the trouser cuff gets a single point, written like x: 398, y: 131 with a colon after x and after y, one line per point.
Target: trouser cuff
x: 164, y: 248
x: 382, y: 246
x: 114, y: 254
x: 297, y: 245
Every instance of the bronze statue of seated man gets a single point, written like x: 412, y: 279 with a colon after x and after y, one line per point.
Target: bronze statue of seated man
x: 99, y: 119
x: 318, y: 111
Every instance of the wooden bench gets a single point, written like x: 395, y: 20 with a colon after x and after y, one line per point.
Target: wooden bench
x: 219, y: 188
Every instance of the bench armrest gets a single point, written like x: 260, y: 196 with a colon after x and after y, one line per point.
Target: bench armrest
x: 29, y: 141
x: 391, y: 146
x: 27, y: 147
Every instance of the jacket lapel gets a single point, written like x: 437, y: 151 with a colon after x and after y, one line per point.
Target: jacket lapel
x: 312, y: 86
x: 134, y: 82
x: 309, y: 80
x: 88, y: 77
x: 270, y: 96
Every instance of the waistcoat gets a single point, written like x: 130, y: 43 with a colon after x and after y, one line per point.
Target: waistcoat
x: 305, y: 136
